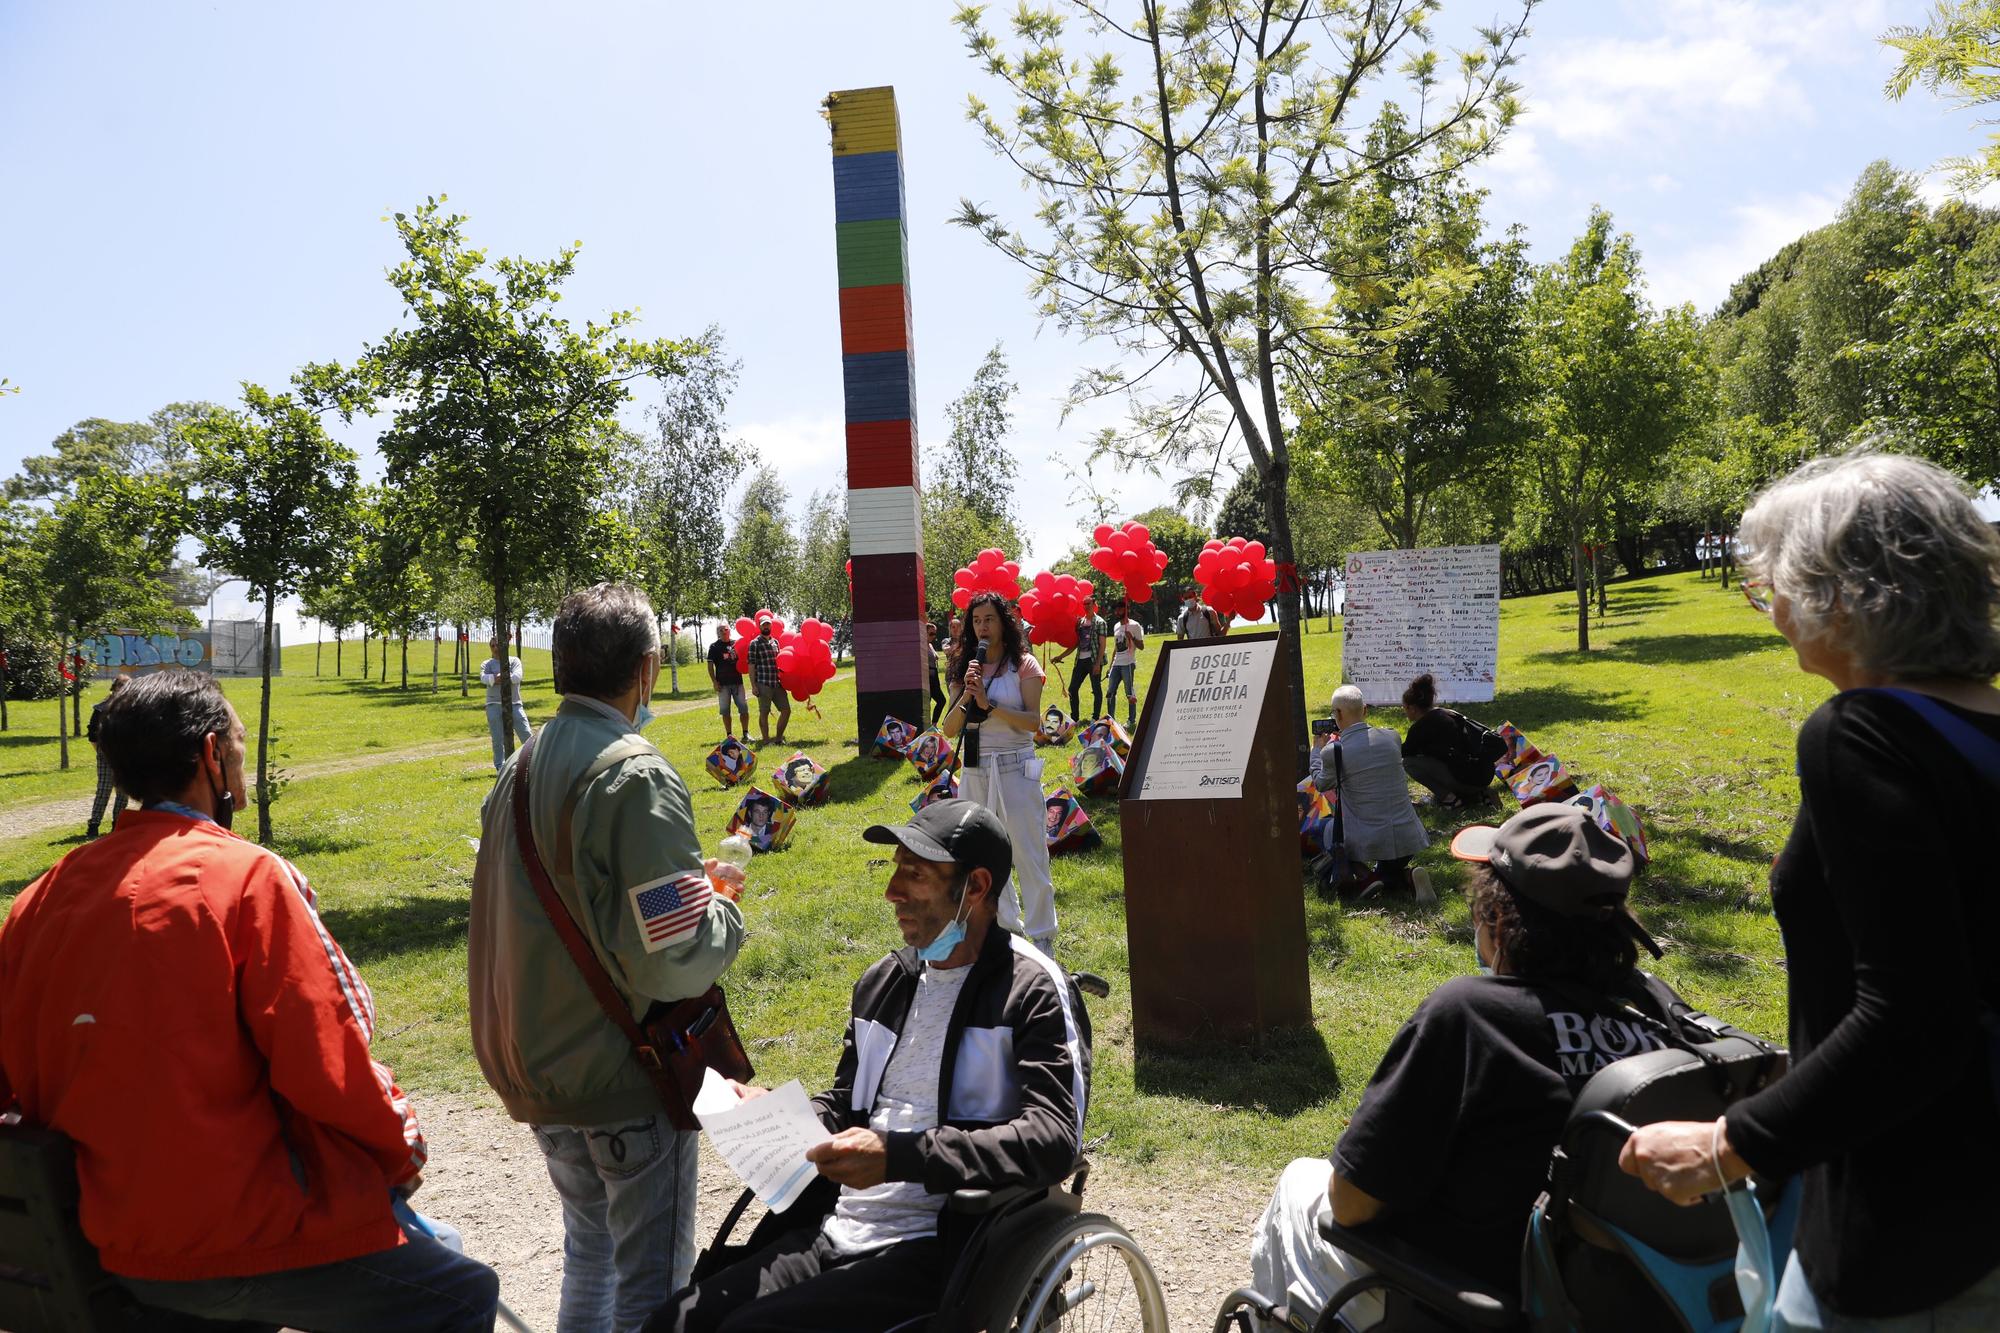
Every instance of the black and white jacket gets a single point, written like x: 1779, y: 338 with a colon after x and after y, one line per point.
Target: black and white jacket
x: 1015, y: 1078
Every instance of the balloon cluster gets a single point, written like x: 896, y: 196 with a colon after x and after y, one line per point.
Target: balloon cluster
x: 990, y: 571
x: 805, y: 659
x: 1236, y: 577
x: 746, y: 630
x: 1053, y: 606
x: 1127, y: 554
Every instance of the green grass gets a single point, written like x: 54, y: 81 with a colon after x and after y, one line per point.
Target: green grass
x: 1687, y: 709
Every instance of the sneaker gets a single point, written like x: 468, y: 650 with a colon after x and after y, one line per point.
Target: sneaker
x: 90, y: 832
x: 1420, y: 887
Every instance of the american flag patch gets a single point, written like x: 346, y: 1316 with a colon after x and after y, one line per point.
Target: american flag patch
x: 670, y: 909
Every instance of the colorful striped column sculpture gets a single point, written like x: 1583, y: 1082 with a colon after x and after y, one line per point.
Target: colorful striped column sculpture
x: 878, y: 376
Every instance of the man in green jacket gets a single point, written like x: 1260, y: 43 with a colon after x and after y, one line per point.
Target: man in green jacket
x: 614, y: 827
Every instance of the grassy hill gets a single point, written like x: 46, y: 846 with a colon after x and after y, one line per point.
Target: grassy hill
x: 1687, y: 709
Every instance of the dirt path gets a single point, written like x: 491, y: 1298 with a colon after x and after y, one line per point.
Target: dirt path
x: 19, y: 821
x: 486, y: 1178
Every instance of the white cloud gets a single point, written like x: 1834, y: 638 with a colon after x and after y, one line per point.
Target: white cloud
x: 1702, y: 66
x: 1518, y: 167
x: 1703, y: 273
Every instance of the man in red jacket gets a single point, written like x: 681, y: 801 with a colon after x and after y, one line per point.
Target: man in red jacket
x: 171, y: 1001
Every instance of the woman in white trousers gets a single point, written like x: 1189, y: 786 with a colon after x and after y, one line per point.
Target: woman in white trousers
x: 996, y: 704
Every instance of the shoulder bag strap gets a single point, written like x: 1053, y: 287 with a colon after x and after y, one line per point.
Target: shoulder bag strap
x: 595, y: 976
x: 1979, y: 749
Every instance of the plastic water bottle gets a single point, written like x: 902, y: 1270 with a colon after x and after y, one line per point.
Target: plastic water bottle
x: 735, y: 851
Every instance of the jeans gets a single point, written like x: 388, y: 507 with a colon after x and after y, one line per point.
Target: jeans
x: 1975, y: 1308
x: 938, y: 700
x: 494, y: 727
x: 1127, y: 672
x: 726, y: 695
x: 1085, y: 671
x: 798, y: 1282
x: 628, y: 1198
x: 421, y: 1287
x: 1004, y: 784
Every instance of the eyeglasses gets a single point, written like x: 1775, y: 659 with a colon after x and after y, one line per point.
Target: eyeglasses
x: 1757, y: 592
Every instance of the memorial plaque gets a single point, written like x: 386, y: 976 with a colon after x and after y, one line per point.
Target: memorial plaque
x: 1434, y: 609
x: 1214, y: 900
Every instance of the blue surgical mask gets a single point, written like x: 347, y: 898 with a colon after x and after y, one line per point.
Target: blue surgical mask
x: 643, y: 718
x: 949, y: 938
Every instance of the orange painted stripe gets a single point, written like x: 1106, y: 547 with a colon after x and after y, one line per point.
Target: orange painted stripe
x: 874, y: 319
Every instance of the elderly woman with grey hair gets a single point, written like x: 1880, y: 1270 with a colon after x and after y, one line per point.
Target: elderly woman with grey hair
x: 1363, y: 766
x: 1885, y: 580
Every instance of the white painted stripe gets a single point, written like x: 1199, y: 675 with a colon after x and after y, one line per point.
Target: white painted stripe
x: 882, y: 520
x: 1073, y: 1037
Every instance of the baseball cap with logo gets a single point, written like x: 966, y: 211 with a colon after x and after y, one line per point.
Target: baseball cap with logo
x: 962, y: 832
x: 1557, y: 857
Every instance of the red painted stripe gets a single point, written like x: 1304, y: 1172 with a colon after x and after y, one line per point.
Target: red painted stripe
x: 881, y: 453
x: 888, y: 587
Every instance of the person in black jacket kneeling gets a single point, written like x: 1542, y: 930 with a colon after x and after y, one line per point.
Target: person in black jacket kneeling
x: 963, y: 1006
x: 1439, y: 751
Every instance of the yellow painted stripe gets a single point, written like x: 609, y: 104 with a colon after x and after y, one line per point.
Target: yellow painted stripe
x: 863, y: 121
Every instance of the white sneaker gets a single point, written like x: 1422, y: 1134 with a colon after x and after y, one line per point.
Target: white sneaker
x: 1420, y: 883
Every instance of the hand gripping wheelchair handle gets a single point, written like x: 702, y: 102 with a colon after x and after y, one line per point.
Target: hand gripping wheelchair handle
x: 1423, y: 1277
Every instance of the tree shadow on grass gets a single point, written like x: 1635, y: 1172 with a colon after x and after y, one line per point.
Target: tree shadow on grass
x: 293, y: 845
x: 1670, y: 649
x: 392, y: 926
x: 859, y: 777
x: 13, y: 738
x: 1292, y: 1071
x: 1543, y: 705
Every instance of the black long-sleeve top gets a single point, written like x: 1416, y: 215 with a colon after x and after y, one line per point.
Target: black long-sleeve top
x: 1889, y: 900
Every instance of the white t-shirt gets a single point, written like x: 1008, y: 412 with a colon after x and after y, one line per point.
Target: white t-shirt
x: 900, y: 1210
x: 1129, y: 639
x: 489, y: 676
x: 1004, y: 689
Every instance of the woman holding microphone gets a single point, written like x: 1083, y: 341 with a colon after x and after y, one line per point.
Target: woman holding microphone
x: 996, y: 704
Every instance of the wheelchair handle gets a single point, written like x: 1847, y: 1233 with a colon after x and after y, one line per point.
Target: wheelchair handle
x: 1599, y: 1120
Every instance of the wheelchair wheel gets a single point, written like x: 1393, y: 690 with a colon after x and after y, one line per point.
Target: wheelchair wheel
x: 1085, y: 1274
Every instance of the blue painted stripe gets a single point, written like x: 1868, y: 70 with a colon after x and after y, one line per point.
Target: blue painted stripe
x: 877, y: 386
x: 867, y: 187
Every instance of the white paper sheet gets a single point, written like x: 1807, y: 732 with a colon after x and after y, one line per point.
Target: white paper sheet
x: 764, y: 1139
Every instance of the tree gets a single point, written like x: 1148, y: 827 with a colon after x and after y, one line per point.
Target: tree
x: 1183, y: 208
x: 1419, y: 404
x: 392, y: 570
x: 975, y: 462
x: 158, y: 446
x: 497, y: 404
x: 1242, y: 513
x: 761, y: 568
x: 1938, y: 365
x: 955, y: 532
x: 1957, y: 56
x: 822, y: 581
x: 1616, y: 388
x: 97, y: 559
x: 674, y: 483
x: 1182, y: 540
x: 272, y: 496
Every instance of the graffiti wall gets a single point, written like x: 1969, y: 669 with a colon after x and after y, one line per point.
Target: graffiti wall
x: 137, y: 654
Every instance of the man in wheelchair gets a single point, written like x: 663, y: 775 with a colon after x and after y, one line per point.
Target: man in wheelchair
x: 1450, y: 1145
x: 965, y: 1065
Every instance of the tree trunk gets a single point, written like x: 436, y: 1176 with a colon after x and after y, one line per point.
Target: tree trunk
x: 464, y: 660
x: 1598, y: 573
x: 501, y: 617
x: 1291, y: 647
x: 434, y: 661
x: 673, y: 655
x: 264, y: 727
x: 1582, y: 598
x: 319, y: 647
x: 406, y: 664
x: 336, y: 653
x: 365, y: 636
x: 76, y: 696
x: 3, y: 680
x: 62, y: 712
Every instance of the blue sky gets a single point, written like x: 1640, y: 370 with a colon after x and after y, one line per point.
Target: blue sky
x: 196, y: 191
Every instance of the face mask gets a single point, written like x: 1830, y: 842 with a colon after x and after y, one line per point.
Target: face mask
x: 643, y: 718
x: 950, y: 937
x: 225, y: 805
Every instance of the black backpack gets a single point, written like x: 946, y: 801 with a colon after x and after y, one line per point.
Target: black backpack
x: 1481, y: 741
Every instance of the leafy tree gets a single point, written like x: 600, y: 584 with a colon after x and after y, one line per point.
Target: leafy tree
x: 1327, y: 524
x: 392, y: 571
x: 97, y: 559
x: 976, y: 463
x: 1180, y: 538
x: 1242, y: 513
x: 822, y: 581
x: 1182, y: 205
x: 1957, y: 56
x: 1416, y: 403
x: 272, y: 497
x: 673, y: 484
x: 761, y: 568
x: 954, y: 532
x: 497, y: 404
x: 157, y: 446
x: 1938, y: 364
x: 1616, y: 385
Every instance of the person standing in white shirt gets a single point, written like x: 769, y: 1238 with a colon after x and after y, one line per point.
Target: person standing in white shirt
x: 489, y: 676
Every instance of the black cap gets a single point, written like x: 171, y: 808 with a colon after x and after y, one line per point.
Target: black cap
x: 1556, y: 856
x: 964, y: 833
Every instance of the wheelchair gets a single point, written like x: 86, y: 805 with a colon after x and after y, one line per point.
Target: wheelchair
x: 1030, y: 1260
x: 1601, y: 1251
